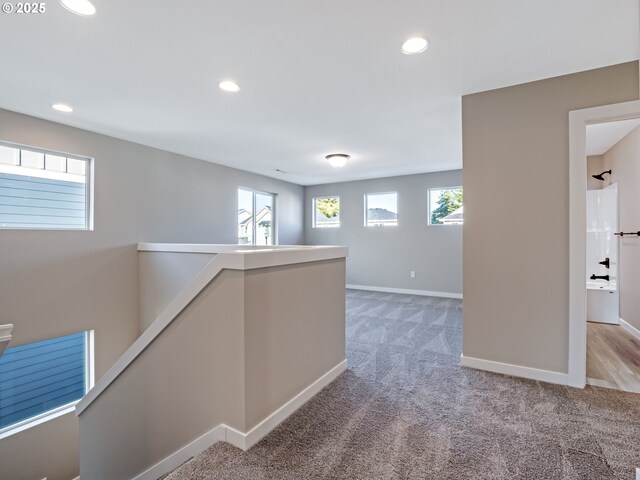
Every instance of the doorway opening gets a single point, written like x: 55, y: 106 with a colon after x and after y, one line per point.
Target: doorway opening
x: 604, y: 326
x: 613, y: 352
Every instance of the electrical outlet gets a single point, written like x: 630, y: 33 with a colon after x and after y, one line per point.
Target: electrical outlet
x: 412, y: 274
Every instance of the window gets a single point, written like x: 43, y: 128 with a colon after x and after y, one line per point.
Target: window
x: 41, y: 189
x: 381, y: 209
x: 445, y: 206
x: 43, y: 380
x: 326, y: 212
x: 256, y: 218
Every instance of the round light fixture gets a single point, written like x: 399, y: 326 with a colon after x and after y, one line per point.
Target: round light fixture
x: 61, y: 107
x: 415, y: 45
x: 337, y: 160
x: 229, y: 86
x: 79, y: 7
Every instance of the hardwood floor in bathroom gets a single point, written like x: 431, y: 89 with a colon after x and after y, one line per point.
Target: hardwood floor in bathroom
x: 613, y: 357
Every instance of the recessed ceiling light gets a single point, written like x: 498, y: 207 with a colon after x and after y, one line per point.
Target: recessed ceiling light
x: 415, y: 45
x: 79, y: 7
x: 61, y: 107
x: 338, y: 160
x: 229, y: 86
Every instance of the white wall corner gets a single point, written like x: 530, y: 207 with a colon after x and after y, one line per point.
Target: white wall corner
x: 247, y: 440
x: 236, y: 438
x: 630, y: 328
x: 515, y: 370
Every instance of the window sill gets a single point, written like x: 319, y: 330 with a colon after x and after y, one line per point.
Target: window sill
x: 37, y: 420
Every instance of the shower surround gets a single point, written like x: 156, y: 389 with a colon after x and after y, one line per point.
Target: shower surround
x: 602, y: 255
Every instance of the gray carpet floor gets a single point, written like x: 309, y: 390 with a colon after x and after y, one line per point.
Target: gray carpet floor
x: 405, y: 409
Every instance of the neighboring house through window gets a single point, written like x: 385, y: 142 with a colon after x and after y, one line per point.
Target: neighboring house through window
x: 381, y: 209
x: 40, y: 189
x: 256, y: 217
x: 43, y: 380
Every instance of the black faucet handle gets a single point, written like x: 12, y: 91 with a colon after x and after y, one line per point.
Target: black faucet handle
x: 605, y: 262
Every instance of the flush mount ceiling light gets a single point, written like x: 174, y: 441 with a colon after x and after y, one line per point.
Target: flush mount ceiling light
x: 79, y: 7
x: 61, y: 107
x: 337, y: 160
x: 229, y: 86
x: 415, y: 45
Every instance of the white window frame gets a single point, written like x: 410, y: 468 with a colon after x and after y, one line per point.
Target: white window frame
x: 366, y: 210
x: 274, y: 212
x: 313, y: 213
x: 89, y: 184
x: 63, y: 409
x: 429, y: 190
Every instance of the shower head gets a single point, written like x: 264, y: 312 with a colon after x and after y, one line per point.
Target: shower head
x: 601, y: 176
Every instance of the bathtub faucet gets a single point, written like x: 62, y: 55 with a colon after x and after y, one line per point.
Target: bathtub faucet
x: 605, y: 262
x: 599, y: 277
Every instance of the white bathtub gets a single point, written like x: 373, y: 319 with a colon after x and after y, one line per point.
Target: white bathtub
x: 602, y: 302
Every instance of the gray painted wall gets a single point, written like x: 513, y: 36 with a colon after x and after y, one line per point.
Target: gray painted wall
x: 161, y: 277
x: 54, y: 283
x: 624, y: 161
x: 516, y: 186
x: 384, y: 256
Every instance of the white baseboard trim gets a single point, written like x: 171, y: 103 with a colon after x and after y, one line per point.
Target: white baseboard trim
x: 180, y: 456
x: 425, y: 293
x: 225, y: 433
x: 630, y: 328
x: 247, y: 440
x: 515, y: 370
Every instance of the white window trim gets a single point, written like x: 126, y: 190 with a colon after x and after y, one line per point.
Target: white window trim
x: 63, y: 409
x: 429, y: 224
x: 274, y: 212
x: 90, y: 378
x: 366, y: 209
x: 37, y: 420
x: 313, y: 213
x: 89, y: 184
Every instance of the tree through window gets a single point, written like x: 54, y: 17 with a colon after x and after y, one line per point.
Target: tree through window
x: 326, y: 212
x: 446, y: 206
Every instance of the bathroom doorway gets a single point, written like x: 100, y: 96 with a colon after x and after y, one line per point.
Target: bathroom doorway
x: 604, y: 326
x: 613, y: 349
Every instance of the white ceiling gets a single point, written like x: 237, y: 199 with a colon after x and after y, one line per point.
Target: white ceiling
x: 602, y: 136
x: 317, y: 76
